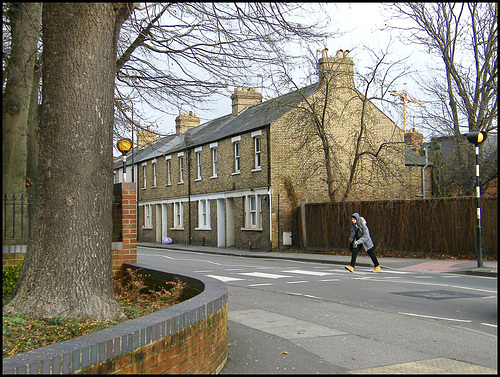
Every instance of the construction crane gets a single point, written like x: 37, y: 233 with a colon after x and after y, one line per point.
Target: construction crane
x: 404, y: 99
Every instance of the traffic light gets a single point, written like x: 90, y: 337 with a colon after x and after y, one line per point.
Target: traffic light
x: 477, y: 137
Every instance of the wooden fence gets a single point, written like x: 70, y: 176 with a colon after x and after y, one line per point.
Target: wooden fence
x: 423, y: 227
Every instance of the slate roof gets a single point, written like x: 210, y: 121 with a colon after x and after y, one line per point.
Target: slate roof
x: 251, y: 119
x: 413, y: 158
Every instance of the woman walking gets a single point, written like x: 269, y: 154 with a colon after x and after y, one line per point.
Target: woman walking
x: 360, y: 236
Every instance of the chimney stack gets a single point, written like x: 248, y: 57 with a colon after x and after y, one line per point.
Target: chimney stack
x: 339, y: 69
x: 244, y: 97
x: 413, y: 140
x: 145, y: 136
x: 186, y: 121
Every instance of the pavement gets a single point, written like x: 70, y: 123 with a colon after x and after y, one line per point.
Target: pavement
x: 269, y: 348
x: 467, y: 267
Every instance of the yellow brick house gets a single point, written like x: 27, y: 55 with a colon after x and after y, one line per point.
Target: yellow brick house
x: 236, y: 181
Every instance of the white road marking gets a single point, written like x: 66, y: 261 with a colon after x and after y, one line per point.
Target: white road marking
x: 259, y: 285
x: 432, y: 317
x: 489, y: 324
x: 264, y: 275
x: 395, y: 272
x: 296, y: 282
x: 304, y: 272
x: 311, y: 296
x: 224, y: 278
x: 330, y: 280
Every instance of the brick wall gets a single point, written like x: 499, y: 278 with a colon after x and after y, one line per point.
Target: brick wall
x: 190, y: 337
x: 126, y: 250
x: 197, y: 349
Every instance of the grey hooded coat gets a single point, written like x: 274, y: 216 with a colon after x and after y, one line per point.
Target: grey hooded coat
x: 361, y: 232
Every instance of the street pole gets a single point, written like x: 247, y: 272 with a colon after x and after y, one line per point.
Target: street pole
x: 124, y: 168
x: 478, y: 212
x: 477, y: 138
x: 132, y: 141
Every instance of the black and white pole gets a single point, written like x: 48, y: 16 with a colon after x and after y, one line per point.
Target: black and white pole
x: 478, y: 213
x: 477, y: 138
x: 124, y: 168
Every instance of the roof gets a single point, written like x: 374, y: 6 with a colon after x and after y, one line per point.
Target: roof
x: 413, y: 158
x: 250, y: 119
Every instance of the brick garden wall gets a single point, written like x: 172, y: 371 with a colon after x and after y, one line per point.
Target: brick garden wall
x: 190, y: 337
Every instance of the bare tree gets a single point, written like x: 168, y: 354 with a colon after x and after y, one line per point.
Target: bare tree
x: 178, y: 56
x: 339, y: 127
x: 464, y: 37
x: 462, y: 91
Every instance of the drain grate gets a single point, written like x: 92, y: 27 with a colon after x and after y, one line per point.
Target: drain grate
x: 437, y: 295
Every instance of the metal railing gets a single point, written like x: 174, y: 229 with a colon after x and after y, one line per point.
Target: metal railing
x: 16, y: 217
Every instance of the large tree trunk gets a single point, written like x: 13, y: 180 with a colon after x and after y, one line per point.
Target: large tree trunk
x: 67, y: 269
x: 25, y: 19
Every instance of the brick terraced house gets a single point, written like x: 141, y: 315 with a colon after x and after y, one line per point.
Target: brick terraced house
x: 237, y: 180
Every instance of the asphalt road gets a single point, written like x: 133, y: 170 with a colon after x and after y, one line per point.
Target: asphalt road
x: 302, y: 317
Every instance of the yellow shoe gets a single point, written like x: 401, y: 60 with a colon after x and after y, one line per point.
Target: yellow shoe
x: 349, y: 268
x: 376, y: 269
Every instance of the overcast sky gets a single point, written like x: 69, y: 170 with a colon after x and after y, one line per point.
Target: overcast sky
x: 361, y: 23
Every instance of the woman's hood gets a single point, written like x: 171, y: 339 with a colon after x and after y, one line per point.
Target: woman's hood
x: 359, y: 220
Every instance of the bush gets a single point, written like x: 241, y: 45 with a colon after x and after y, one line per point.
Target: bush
x: 10, y: 275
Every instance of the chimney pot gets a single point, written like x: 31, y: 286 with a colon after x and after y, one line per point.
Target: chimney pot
x: 186, y: 121
x: 243, y: 98
x: 338, y: 69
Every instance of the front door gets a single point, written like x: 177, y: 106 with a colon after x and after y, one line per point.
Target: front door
x: 221, y: 223
x: 158, y: 223
x: 230, y: 222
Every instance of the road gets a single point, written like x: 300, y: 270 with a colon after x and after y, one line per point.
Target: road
x: 302, y: 317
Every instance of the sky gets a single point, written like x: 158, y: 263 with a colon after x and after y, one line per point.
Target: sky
x: 360, y: 22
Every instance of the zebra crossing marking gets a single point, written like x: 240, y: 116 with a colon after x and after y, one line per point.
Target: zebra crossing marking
x: 264, y: 275
x: 304, y: 272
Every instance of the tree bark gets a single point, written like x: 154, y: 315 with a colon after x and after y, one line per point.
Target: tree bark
x: 67, y: 269
x: 25, y: 21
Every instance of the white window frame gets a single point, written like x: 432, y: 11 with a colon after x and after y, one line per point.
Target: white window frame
x: 213, y: 148
x: 148, y: 224
x: 181, y: 168
x: 154, y: 173
x: 198, y: 164
x: 144, y: 172
x: 257, y: 148
x: 169, y: 170
x: 236, y: 147
x: 204, y: 214
x: 178, y: 215
x: 253, y: 216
